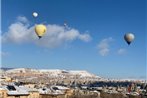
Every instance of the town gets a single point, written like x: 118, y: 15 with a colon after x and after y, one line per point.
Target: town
x: 33, y: 83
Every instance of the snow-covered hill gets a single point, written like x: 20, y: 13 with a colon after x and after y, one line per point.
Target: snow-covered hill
x: 54, y: 72
x: 20, y: 70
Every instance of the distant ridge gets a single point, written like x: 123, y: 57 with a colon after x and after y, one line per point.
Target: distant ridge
x: 5, y: 69
x: 51, y: 72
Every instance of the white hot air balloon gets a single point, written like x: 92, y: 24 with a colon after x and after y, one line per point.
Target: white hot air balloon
x: 129, y: 37
x: 35, y: 14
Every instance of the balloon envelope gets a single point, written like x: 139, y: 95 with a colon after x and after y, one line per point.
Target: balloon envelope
x: 129, y: 37
x: 35, y: 14
x: 40, y: 30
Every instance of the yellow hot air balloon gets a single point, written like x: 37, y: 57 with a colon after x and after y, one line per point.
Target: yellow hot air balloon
x: 40, y: 30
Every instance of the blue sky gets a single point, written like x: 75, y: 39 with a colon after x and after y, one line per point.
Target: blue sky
x: 94, y: 41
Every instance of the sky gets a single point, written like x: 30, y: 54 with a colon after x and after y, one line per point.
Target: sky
x: 93, y: 39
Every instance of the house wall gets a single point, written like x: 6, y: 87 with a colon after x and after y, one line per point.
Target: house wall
x: 34, y: 95
x: 3, y: 94
x: 20, y: 96
x: 51, y: 96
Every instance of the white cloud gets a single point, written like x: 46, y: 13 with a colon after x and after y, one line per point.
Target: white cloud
x: 56, y: 35
x: 85, y: 37
x: 2, y: 53
x: 121, y: 51
x: 104, y: 47
x: 22, y: 19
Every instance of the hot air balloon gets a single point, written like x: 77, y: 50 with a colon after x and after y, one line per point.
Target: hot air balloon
x: 65, y: 24
x: 40, y: 30
x: 129, y: 37
x: 35, y: 14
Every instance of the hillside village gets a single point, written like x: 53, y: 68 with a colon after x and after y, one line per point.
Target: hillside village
x: 33, y: 83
